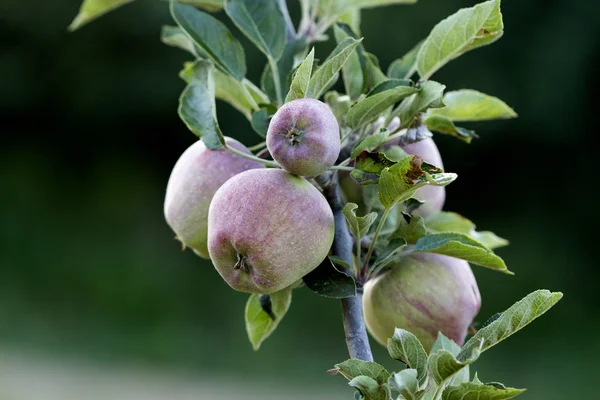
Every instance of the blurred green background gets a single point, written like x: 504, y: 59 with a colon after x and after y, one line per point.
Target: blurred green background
x: 92, y: 280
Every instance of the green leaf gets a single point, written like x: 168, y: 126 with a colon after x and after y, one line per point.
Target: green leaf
x: 301, y: 78
x: 405, y: 347
x: 467, y: 29
x: 445, y: 125
x: 389, y: 84
x: 229, y: 90
x: 285, y: 67
x: 260, y: 119
x: 175, y: 37
x: 444, y: 366
x: 326, y: 280
x: 339, y: 105
x: 471, y: 105
x: 374, y: 3
x: 478, y: 391
x: 370, y: 389
x: 209, y: 5
x: 452, y: 222
x: 326, y: 73
x: 262, y: 22
x: 405, y: 382
x: 401, y: 181
x: 410, y: 228
x: 260, y: 323
x: 405, y: 67
x: 213, y: 37
x: 354, y: 367
x: 92, y: 9
x: 197, y: 106
x: 352, y: 72
x: 443, y: 343
x: 461, y: 246
x: 368, y: 167
x: 512, y: 320
x: 430, y: 96
x: 370, y: 143
x: 359, y: 226
x: 370, y: 108
x: 373, y: 71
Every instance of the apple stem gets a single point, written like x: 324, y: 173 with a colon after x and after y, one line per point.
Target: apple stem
x: 357, y: 340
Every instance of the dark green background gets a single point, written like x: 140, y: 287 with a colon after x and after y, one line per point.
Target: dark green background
x: 89, y: 134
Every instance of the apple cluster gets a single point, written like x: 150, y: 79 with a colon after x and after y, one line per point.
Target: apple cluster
x: 262, y: 228
x: 266, y: 228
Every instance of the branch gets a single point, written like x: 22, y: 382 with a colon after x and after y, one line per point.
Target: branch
x: 352, y: 312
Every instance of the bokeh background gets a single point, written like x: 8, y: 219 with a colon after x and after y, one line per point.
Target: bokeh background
x: 97, y: 301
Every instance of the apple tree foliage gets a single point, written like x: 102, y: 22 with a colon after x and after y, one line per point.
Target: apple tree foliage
x: 377, y: 110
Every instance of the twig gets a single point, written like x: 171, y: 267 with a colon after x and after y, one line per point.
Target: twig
x: 357, y: 340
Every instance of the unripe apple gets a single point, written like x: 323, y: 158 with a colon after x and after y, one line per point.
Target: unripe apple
x: 197, y: 175
x: 267, y: 229
x: 304, y: 137
x: 423, y: 294
x: 433, y: 196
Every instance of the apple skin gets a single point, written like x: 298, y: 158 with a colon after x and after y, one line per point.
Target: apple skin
x: 267, y: 229
x: 423, y: 294
x: 304, y: 137
x: 197, y: 175
x: 433, y: 196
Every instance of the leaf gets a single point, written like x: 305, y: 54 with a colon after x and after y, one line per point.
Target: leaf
x: 259, y: 324
x: 285, y: 66
x: 375, y: 3
x: 512, y: 320
x: 260, y: 119
x: 401, y: 181
x: 452, y: 222
x: 443, y: 365
x: 197, y: 106
x: 301, y: 78
x: 411, y: 228
x: 175, y: 37
x: 92, y: 9
x: 445, y: 125
x: 368, y: 166
x: 390, y: 84
x: 371, y: 107
x: 370, y: 389
x: 405, y: 67
x: 461, y: 246
x: 326, y: 73
x: 430, y: 96
x: 373, y: 71
x: 213, y: 37
x: 405, y: 382
x: 354, y: 367
x: 352, y: 72
x: 370, y: 143
x: 209, y: 5
x: 359, y: 226
x: 478, y: 391
x: 339, y: 105
x: 471, y: 105
x: 443, y: 343
x: 405, y: 347
x: 227, y: 89
x: 262, y: 22
x: 467, y: 29
x: 326, y: 280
